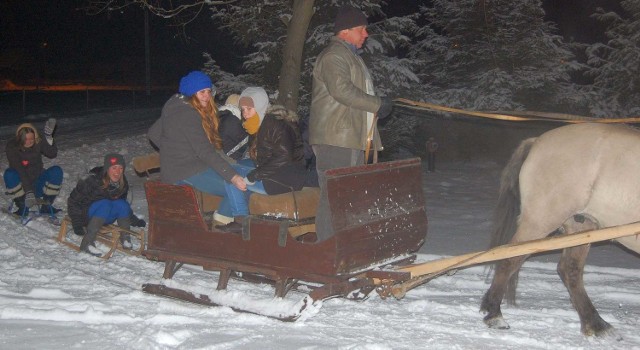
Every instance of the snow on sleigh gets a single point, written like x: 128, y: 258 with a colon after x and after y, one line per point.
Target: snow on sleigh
x: 379, y: 220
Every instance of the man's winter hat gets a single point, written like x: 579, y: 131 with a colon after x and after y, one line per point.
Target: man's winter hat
x: 194, y: 82
x: 348, y: 17
x: 113, y: 159
x: 257, y: 98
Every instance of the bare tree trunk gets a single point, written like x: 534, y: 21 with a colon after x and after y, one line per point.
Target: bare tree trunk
x: 289, y: 83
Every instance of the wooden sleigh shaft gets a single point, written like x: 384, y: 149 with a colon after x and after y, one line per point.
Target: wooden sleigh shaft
x: 423, y: 272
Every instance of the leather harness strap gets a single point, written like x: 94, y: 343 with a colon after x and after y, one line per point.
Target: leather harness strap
x: 370, y: 141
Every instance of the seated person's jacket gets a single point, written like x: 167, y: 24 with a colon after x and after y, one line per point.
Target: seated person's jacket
x: 89, y: 190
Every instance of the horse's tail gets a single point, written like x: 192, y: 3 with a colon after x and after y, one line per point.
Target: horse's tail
x: 505, y: 218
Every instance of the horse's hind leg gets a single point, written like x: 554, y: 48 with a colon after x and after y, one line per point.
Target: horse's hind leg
x: 570, y: 269
x: 493, y: 297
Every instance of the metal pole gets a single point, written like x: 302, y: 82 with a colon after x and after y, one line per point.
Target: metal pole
x: 147, y: 52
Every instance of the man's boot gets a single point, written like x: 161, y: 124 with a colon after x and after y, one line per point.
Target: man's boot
x: 125, y: 237
x: 88, y: 240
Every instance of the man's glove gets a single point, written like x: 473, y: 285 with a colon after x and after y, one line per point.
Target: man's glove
x: 78, y: 230
x: 137, y: 222
x: 49, y: 127
x: 385, y: 107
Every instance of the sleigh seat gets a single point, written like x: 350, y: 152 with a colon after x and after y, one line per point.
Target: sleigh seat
x: 296, y: 207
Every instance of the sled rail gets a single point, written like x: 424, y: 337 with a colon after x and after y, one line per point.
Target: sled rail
x: 108, y: 235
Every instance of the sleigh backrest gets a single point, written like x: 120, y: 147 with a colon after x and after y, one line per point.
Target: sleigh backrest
x: 172, y: 209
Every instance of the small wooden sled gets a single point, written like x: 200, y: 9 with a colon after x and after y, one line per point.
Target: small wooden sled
x: 108, y: 235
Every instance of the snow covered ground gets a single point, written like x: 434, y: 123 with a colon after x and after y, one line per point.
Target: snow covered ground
x: 52, y: 297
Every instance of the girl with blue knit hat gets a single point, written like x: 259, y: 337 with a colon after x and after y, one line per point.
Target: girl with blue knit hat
x: 190, y: 146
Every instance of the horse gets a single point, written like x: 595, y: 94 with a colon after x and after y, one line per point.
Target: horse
x: 570, y: 179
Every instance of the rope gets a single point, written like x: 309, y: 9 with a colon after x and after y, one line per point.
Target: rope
x: 540, y: 116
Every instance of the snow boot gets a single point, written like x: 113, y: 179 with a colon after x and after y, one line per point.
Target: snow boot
x: 49, y: 208
x: 29, y: 200
x: 125, y: 238
x: 91, y: 249
x: 223, y: 219
x: 20, y: 208
x: 88, y: 240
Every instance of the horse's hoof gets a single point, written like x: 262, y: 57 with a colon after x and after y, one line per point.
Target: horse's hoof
x: 601, y: 329
x: 497, y: 323
x: 607, y: 333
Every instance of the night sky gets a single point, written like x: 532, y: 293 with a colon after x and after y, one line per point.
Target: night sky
x: 54, y: 41
x: 45, y: 40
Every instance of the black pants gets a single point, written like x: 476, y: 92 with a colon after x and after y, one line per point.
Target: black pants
x: 331, y: 157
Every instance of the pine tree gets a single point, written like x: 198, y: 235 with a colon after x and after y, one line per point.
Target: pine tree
x: 494, y: 55
x: 262, y: 27
x: 615, y: 65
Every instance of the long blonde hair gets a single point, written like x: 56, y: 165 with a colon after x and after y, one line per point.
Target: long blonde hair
x: 209, y: 118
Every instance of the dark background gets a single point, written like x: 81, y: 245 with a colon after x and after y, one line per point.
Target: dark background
x: 55, y: 41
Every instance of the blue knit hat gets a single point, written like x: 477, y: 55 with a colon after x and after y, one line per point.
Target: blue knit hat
x: 194, y: 82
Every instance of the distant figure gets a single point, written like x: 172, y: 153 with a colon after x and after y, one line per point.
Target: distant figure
x: 186, y: 134
x: 101, y: 199
x: 432, y: 147
x: 234, y: 137
x: 344, y: 107
x: 26, y: 179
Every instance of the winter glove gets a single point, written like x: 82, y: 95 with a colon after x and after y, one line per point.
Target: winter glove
x: 49, y: 127
x: 385, y: 107
x: 78, y: 230
x: 250, y: 179
x: 137, y: 222
x: 246, y: 180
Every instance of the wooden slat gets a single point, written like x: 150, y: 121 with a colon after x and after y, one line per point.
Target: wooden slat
x: 296, y: 231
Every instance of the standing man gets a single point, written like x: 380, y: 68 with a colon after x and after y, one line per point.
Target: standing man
x: 344, y: 108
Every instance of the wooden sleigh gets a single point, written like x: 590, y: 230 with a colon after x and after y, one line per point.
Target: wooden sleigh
x: 379, y: 219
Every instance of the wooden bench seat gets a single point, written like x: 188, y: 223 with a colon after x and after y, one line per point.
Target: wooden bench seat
x: 108, y: 235
x: 299, y: 206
